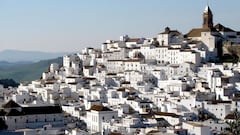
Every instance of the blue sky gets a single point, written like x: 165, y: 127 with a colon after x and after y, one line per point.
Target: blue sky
x: 70, y: 25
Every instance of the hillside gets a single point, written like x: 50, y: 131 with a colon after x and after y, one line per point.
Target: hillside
x: 28, y: 72
x: 6, y: 65
x: 8, y: 83
x: 29, y: 56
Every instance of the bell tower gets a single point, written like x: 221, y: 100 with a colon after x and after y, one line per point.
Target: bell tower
x: 207, y: 18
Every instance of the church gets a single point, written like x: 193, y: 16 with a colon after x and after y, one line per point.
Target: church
x: 213, y: 36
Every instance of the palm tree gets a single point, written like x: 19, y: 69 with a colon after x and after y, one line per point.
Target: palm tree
x: 233, y: 125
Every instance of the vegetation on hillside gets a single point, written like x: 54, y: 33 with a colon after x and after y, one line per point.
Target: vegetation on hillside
x: 6, y: 65
x: 234, y: 49
x: 232, y: 53
x: 28, y: 72
x: 3, y: 125
x: 233, y: 126
x: 8, y: 83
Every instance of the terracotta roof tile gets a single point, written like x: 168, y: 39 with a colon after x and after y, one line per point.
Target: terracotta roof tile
x: 100, y: 108
x: 42, y: 110
x: 173, y: 32
x: 230, y: 116
x: 168, y: 114
x: 11, y: 104
x: 14, y: 112
x: 197, y: 32
x: 219, y: 102
x: 195, y: 124
x: 133, y: 40
x: 115, y: 133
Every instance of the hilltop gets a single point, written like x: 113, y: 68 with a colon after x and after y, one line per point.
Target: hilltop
x: 28, y: 72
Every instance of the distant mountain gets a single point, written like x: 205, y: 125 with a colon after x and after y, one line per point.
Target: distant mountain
x: 5, y: 64
x: 28, y: 72
x: 29, y: 56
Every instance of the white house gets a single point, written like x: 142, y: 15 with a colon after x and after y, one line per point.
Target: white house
x: 97, y: 115
x: 18, y: 117
x: 196, y: 128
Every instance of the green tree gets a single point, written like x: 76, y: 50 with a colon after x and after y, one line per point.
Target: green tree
x: 8, y: 82
x: 3, y: 125
x: 233, y: 125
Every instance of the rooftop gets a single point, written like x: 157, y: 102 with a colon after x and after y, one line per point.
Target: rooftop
x: 195, y: 124
x: 11, y: 104
x: 100, y: 108
x: 168, y: 114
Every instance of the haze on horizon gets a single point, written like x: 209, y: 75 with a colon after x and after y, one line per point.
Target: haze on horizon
x: 63, y: 25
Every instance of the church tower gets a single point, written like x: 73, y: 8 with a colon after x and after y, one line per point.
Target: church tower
x: 207, y: 18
